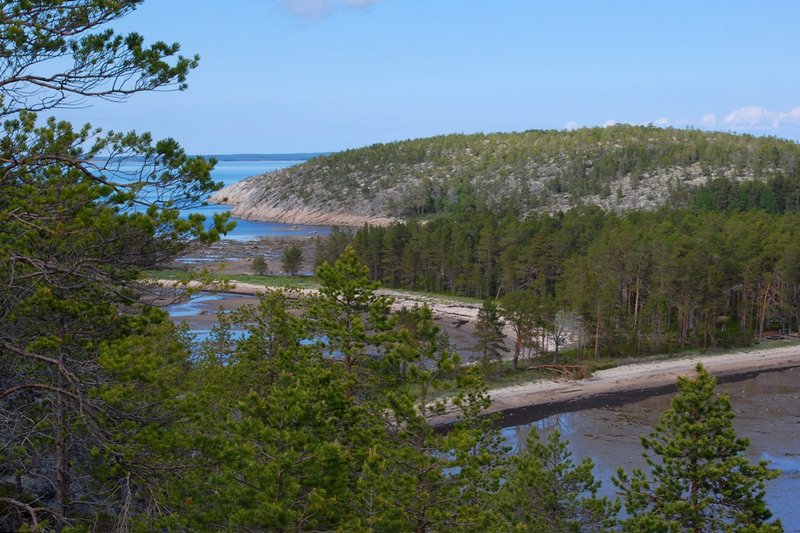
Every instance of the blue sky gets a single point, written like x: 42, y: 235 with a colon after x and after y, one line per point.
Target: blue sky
x: 326, y: 75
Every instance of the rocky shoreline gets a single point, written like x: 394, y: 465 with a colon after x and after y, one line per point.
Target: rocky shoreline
x: 251, y: 199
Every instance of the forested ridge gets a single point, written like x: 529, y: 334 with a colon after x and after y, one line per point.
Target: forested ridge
x: 619, y: 168
x: 641, y: 282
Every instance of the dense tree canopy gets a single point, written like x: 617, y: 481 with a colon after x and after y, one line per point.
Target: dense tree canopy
x: 83, y: 414
x: 632, y: 284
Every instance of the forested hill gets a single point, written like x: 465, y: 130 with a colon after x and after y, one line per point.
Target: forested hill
x: 618, y: 168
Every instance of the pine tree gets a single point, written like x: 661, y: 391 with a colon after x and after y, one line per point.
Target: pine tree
x: 292, y: 260
x: 521, y: 310
x: 86, y: 370
x: 259, y: 266
x: 545, y: 491
x: 489, y: 330
x: 700, y: 479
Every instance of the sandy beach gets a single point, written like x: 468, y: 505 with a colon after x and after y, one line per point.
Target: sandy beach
x: 630, y: 382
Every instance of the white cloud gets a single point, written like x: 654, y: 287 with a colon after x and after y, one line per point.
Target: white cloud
x: 316, y: 9
x: 709, y: 119
x: 360, y: 3
x: 571, y: 125
x: 609, y: 122
x: 756, y: 117
x: 749, y: 116
x: 662, y: 122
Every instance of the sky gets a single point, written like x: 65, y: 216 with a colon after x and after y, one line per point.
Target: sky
x: 281, y: 76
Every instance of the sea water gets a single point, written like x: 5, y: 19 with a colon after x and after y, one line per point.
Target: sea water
x: 230, y: 172
x: 767, y: 409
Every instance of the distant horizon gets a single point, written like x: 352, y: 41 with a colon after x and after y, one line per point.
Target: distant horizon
x: 339, y: 74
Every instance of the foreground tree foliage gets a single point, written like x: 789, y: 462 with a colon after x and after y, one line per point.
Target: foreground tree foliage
x: 700, y: 479
x: 87, y: 374
x: 321, y: 418
x: 545, y: 491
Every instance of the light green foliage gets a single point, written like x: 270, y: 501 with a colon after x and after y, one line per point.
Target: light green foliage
x: 700, y: 479
x: 348, y: 311
x: 545, y: 491
x: 526, y: 171
x: 292, y: 260
x: 419, y: 479
x: 321, y: 419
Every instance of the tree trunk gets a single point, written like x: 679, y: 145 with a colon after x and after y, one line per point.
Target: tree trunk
x: 61, y: 458
x: 636, y: 302
x: 763, y: 312
x: 597, y: 336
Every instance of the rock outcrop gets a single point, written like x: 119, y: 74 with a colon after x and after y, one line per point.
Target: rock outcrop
x: 256, y: 198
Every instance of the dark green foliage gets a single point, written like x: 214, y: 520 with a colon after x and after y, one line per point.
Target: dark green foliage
x: 292, y: 260
x: 329, y: 248
x: 633, y: 284
x: 88, y: 374
x: 489, y: 331
x: 700, y: 479
x: 545, y: 491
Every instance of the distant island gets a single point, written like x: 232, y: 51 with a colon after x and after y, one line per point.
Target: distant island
x: 619, y: 168
x: 301, y: 156
x: 304, y: 156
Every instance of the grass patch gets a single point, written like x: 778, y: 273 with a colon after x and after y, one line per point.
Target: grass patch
x: 170, y: 273
x: 300, y: 282
x: 436, y: 295
x: 303, y: 282
x: 502, y: 375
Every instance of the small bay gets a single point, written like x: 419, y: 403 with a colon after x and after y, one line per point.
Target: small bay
x: 231, y: 171
x: 767, y: 408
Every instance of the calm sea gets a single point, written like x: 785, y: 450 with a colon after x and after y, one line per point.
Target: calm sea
x: 767, y: 409
x: 229, y: 172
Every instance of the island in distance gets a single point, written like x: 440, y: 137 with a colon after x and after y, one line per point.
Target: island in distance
x: 618, y: 168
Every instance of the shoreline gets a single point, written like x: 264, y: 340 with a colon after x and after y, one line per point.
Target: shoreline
x: 613, y: 386
x: 627, y: 384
